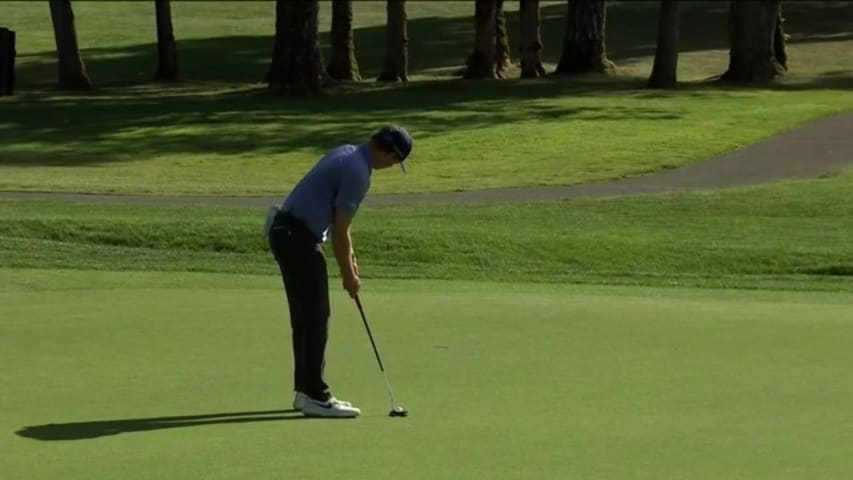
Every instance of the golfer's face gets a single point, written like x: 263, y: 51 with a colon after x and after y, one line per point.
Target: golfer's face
x: 386, y: 159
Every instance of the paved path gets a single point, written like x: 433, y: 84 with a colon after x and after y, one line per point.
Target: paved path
x: 810, y: 151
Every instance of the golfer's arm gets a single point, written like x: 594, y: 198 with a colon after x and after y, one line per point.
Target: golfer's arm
x: 342, y: 243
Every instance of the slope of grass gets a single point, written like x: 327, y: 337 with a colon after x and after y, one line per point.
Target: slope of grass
x: 467, y: 136
x: 134, y: 376
x: 220, y: 132
x: 783, y: 236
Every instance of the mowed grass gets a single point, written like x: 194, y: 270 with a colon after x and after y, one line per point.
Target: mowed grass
x: 221, y: 132
x: 791, y: 236
x: 148, y: 375
x: 467, y: 136
x: 153, y: 372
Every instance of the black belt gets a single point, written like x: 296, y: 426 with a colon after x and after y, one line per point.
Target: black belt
x: 286, y: 220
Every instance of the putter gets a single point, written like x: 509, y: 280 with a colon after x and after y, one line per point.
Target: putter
x: 396, y: 410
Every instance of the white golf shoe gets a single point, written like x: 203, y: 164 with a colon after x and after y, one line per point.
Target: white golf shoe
x: 331, y: 408
x: 300, y: 398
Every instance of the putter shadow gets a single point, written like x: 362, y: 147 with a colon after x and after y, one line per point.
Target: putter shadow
x: 101, y: 428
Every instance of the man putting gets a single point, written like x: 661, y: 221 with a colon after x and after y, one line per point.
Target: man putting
x: 327, y: 198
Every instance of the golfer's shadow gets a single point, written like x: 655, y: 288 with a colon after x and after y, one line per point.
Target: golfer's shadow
x: 100, y: 428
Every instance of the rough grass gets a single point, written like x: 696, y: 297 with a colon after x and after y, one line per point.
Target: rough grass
x: 220, y: 132
x: 792, y: 235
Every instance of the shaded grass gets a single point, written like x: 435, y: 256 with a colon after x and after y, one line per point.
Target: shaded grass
x: 219, y: 132
x: 141, y: 375
x: 467, y: 136
x: 784, y: 236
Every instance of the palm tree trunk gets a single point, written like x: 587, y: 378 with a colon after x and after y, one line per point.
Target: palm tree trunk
x: 752, y: 54
x: 503, y: 59
x: 531, y: 40
x: 780, y: 40
x: 396, y: 63
x: 7, y: 62
x: 665, y: 69
x: 481, y: 63
x: 167, y: 50
x: 584, y: 48
x: 343, y: 65
x: 72, y: 72
x: 300, y: 66
x: 275, y: 70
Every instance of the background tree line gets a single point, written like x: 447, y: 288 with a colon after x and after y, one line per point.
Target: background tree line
x: 756, y: 43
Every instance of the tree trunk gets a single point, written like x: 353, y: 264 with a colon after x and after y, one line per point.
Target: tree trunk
x: 531, y: 40
x: 275, y: 69
x: 72, y: 72
x: 7, y: 62
x: 664, y: 72
x: 396, y: 65
x: 752, y: 31
x: 780, y: 40
x: 299, y: 68
x: 583, y: 48
x: 503, y: 59
x: 481, y: 63
x: 343, y: 65
x: 167, y: 50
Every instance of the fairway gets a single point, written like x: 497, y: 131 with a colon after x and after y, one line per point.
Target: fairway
x: 501, y: 381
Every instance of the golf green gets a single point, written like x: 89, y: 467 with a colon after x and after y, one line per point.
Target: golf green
x: 177, y: 375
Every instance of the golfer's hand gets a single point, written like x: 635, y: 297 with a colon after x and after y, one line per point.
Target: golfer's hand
x: 355, y: 265
x: 352, y: 284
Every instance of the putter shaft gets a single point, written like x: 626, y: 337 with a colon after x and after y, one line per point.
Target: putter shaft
x: 375, y: 350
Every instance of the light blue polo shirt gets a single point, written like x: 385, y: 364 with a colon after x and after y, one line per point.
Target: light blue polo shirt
x: 338, y: 182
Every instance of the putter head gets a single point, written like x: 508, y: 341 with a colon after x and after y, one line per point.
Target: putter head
x: 398, y: 412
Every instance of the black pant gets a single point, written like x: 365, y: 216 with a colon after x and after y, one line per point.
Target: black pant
x: 303, y: 269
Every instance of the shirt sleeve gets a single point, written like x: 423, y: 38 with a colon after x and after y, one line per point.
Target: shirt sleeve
x: 352, y: 188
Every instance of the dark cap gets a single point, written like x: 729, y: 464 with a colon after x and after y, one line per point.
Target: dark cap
x: 396, y: 139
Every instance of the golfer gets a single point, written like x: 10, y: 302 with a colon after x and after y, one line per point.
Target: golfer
x: 324, y: 203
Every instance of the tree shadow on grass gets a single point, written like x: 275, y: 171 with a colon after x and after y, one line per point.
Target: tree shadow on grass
x: 121, y: 123
x: 102, y: 428
x: 98, y: 129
